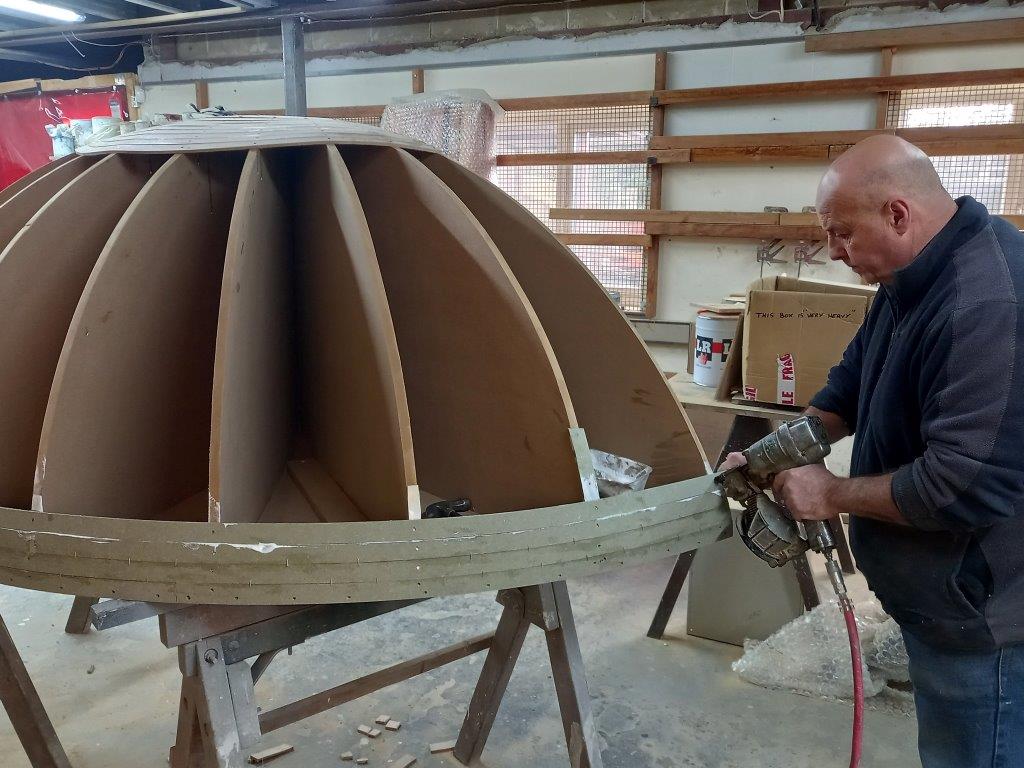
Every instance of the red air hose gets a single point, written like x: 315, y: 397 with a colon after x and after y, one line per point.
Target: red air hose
x: 846, y: 606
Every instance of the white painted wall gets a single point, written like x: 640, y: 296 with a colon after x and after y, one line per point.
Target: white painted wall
x: 692, y: 270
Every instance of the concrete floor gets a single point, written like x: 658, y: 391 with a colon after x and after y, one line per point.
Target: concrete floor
x: 659, y: 704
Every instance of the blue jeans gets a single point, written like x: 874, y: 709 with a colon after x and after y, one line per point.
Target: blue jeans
x: 970, y: 705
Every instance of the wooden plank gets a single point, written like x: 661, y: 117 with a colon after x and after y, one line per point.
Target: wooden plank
x: 43, y: 272
x: 354, y: 689
x: 882, y: 100
x: 579, y: 100
x: 417, y: 80
x: 788, y: 140
x: 202, y: 94
x: 740, y: 231
x: 610, y: 238
x: 626, y: 408
x: 16, y: 210
x: 652, y: 253
x: 266, y: 755
x: 831, y: 88
x: 670, y: 217
x: 760, y: 154
x: 809, y: 219
x: 127, y: 426
x: 489, y: 421
x: 199, y: 622
x: 26, y: 712
x: 906, y: 37
x: 251, y: 413
x: 19, y: 86
x: 355, y: 408
x: 638, y: 156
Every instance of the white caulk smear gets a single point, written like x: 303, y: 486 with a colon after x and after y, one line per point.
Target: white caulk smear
x: 263, y: 549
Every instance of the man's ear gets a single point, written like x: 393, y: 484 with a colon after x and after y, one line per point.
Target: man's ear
x: 897, y: 213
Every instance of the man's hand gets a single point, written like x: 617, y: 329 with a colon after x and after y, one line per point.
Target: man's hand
x: 807, y: 492
x: 732, y: 461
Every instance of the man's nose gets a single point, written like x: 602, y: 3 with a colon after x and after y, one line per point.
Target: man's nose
x: 835, y: 251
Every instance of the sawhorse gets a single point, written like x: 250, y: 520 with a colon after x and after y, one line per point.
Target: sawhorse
x: 218, y: 719
x: 26, y: 711
x: 745, y: 430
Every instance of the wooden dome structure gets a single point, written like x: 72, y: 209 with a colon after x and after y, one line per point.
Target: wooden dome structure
x: 271, y: 341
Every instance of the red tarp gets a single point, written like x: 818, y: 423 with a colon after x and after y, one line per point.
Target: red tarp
x: 24, y: 144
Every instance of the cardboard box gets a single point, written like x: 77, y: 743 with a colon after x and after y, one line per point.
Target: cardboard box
x: 793, y: 332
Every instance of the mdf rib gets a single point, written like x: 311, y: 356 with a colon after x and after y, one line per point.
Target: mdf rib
x: 127, y: 427
x: 490, y: 412
x: 43, y: 272
x: 619, y: 394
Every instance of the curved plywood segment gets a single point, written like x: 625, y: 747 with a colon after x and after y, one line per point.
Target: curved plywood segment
x: 42, y: 274
x: 22, y: 205
x: 621, y: 398
x: 354, y: 410
x: 127, y: 427
x: 19, y: 184
x: 252, y: 394
x: 490, y: 413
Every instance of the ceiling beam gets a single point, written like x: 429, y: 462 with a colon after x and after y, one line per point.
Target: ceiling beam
x: 904, y: 37
x: 98, y: 8
x: 165, y: 6
x: 36, y: 57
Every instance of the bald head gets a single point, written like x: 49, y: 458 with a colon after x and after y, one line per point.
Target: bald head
x: 880, y: 168
x: 880, y: 203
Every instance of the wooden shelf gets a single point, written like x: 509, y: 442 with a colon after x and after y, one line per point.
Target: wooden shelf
x: 638, y: 156
x: 905, y: 37
x: 684, y: 217
x: 586, y: 238
x: 739, y: 231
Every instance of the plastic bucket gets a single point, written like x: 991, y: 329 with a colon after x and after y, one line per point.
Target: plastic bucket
x: 715, y: 334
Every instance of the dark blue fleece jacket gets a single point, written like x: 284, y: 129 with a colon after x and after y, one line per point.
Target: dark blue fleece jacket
x: 933, y: 388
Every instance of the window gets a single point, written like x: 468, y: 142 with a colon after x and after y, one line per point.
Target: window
x: 621, y: 269
x: 995, y: 180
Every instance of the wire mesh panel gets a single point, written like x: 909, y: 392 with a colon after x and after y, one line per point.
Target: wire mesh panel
x: 997, y: 181
x: 622, y: 269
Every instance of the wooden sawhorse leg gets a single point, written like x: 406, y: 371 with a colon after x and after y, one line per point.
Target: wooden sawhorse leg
x: 548, y: 607
x: 29, y: 718
x: 79, y: 618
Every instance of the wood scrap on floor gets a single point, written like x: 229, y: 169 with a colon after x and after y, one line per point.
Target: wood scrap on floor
x: 382, y: 719
x: 392, y: 725
x: 404, y: 761
x: 442, y: 746
x: 266, y: 755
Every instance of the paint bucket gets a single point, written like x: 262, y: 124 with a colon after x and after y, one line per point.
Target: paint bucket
x: 714, y: 334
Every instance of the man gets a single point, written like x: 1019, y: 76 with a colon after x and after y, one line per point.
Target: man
x: 932, y: 388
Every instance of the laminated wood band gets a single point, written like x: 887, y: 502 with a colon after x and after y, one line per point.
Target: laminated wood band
x: 284, y: 563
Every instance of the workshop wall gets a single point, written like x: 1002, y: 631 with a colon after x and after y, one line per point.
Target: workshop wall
x: 692, y: 270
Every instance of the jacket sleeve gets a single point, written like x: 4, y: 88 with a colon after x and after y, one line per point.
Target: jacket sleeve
x: 972, y: 472
x: 842, y: 390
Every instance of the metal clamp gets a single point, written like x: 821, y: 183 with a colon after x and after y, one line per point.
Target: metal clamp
x: 767, y: 251
x: 804, y: 253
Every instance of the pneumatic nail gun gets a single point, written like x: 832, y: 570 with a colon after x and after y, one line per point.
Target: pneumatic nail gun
x: 765, y: 525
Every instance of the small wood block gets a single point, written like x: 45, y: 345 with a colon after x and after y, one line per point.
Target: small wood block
x: 366, y: 730
x: 362, y: 760
x: 346, y: 756
x: 404, y: 761
x: 393, y: 725
x: 442, y: 746
x: 374, y: 733
x: 381, y: 719
x: 258, y: 758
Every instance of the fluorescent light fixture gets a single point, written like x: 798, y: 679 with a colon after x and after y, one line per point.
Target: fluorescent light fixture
x: 42, y: 10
